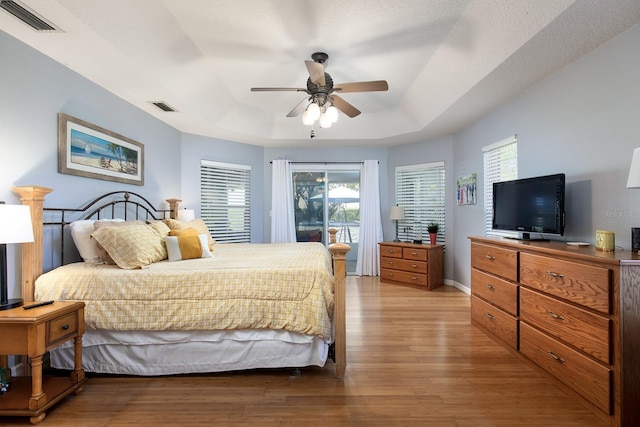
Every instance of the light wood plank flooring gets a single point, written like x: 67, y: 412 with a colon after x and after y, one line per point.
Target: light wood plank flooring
x: 414, y: 360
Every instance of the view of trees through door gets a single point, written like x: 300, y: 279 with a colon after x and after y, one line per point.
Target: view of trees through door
x: 325, y: 198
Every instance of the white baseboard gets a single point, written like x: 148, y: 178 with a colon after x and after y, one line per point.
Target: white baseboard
x: 458, y: 286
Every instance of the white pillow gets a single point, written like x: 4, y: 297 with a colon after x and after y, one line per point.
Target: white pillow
x: 175, y: 254
x: 81, y: 234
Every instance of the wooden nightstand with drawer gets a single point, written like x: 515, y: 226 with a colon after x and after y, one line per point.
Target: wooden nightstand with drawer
x: 32, y: 333
x: 412, y: 264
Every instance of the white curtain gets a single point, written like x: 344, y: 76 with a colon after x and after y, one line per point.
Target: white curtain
x: 283, y: 227
x: 370, y: 221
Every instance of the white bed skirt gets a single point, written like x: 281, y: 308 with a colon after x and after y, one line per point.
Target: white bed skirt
x: 175, y: 352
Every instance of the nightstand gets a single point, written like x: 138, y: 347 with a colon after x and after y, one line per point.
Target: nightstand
x: 407, y: 263
x: 32, y: 333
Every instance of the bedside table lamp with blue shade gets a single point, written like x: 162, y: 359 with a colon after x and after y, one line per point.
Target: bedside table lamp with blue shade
x: 15, y: 227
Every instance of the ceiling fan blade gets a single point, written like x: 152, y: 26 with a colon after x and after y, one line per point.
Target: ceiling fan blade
x: 299, y: 109
x: 344, y: 106
x: 277, y: 89
x: 372, y: 86
x: 316, y: 72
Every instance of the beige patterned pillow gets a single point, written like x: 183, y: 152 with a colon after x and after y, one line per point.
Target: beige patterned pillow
x: 196, y: 224
x: 102, y: 253
x: 135, y: 246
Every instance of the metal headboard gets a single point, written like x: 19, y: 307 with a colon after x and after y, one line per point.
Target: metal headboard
x: 117, y: 204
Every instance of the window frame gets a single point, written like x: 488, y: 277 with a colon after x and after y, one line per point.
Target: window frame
x: 421, y: 207
x: 227, y: 221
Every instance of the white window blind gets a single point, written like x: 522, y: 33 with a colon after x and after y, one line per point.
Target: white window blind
x: 500, y: 164
x: 225, y: 201
x: 420, y: 189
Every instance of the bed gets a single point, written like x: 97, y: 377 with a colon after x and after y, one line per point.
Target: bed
x: 241, y: 306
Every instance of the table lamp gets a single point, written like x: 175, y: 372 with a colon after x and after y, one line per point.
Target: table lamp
x: 397, y: 214
x: 186, y: 215
x: 15, y: 227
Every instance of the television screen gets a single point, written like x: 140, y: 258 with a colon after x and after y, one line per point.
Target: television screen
x: 530, y: 205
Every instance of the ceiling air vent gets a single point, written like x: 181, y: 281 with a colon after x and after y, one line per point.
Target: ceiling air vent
x: 27, y: 16
x: 163, y: 106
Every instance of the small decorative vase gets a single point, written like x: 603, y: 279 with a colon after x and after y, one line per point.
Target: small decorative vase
x: 432, y: 238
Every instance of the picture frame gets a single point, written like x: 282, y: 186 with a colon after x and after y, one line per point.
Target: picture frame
x: 466, y: 189
x: 90, y: 151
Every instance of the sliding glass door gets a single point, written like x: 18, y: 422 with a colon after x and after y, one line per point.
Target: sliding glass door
x: 328, y: 196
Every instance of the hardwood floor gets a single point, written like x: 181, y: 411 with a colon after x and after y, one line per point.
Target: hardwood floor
x: 414, y: 360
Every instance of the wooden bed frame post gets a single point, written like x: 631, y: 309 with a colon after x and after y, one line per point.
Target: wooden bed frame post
x: 32, y: 196
x: 174, y: 204
x: 338, y: 253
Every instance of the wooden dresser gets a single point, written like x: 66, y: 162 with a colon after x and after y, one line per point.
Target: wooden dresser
x: 413, y: 264
x: 562, y: 309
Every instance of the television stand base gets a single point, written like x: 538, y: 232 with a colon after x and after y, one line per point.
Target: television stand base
x: 526, y: 237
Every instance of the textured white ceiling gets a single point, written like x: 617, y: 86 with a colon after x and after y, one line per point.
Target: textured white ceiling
x: 447, y: 62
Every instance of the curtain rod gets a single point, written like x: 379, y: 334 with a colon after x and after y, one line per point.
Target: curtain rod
x: 323, y: 163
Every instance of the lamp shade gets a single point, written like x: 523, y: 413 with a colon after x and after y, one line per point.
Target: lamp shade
x: 634, y: 171
x: 186, y: 214
x: 397, y: 212
x: 15, y: 224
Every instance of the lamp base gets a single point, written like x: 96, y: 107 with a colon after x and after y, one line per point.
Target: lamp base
x: 12, y: 303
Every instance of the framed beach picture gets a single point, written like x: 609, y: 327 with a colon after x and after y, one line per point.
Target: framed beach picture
x: 93, y: 152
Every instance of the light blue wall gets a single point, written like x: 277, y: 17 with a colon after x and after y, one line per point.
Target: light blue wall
x: 436, y: 150
x: 582, y: 121
x: 196, y: 148
x: 33, y: 89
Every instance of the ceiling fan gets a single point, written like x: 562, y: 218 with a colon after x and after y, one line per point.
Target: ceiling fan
x: 323, y: 93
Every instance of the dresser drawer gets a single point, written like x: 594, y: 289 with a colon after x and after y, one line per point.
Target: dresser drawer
x: 403, y: 276
x: 499, y: 261
x: 404, y: 265
x: 496, y: 321
x: 579, y: 328
x: 583, y: 284
x: 61, y: 328
x: 587, y: 377
x: 495, y: 290
x: 390, y: 251
x: 414, y: 254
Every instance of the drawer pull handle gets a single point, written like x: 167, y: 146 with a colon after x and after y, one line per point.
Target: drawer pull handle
x: 490, y: 316
x: 391, y: 251
x: 65, y: 327
x: 414, y: 278
x: 414, y: 253
x: 490, y: 287
x: 555, y: 316
x: 558, y: 358
x: 414, y: 266
x: 391, y: 262
x: 552, y: 274
x: 491, y: 258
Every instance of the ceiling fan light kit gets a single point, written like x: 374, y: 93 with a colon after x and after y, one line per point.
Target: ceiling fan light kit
x: 323, y: 103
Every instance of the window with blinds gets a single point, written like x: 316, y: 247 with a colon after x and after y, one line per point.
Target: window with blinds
x: 500, y: 164
x: 420, y: 189
x: 225, y: 201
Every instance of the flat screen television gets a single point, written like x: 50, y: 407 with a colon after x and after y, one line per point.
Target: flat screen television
x: 530, y: 205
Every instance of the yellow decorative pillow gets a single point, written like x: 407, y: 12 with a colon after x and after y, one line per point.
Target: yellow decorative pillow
x: 184, y: 232
x: 187, y: 246
x: 135, y: 246
x: 196, y: 224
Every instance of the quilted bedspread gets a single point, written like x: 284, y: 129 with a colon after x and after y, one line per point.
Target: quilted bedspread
x: 276, y: 286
